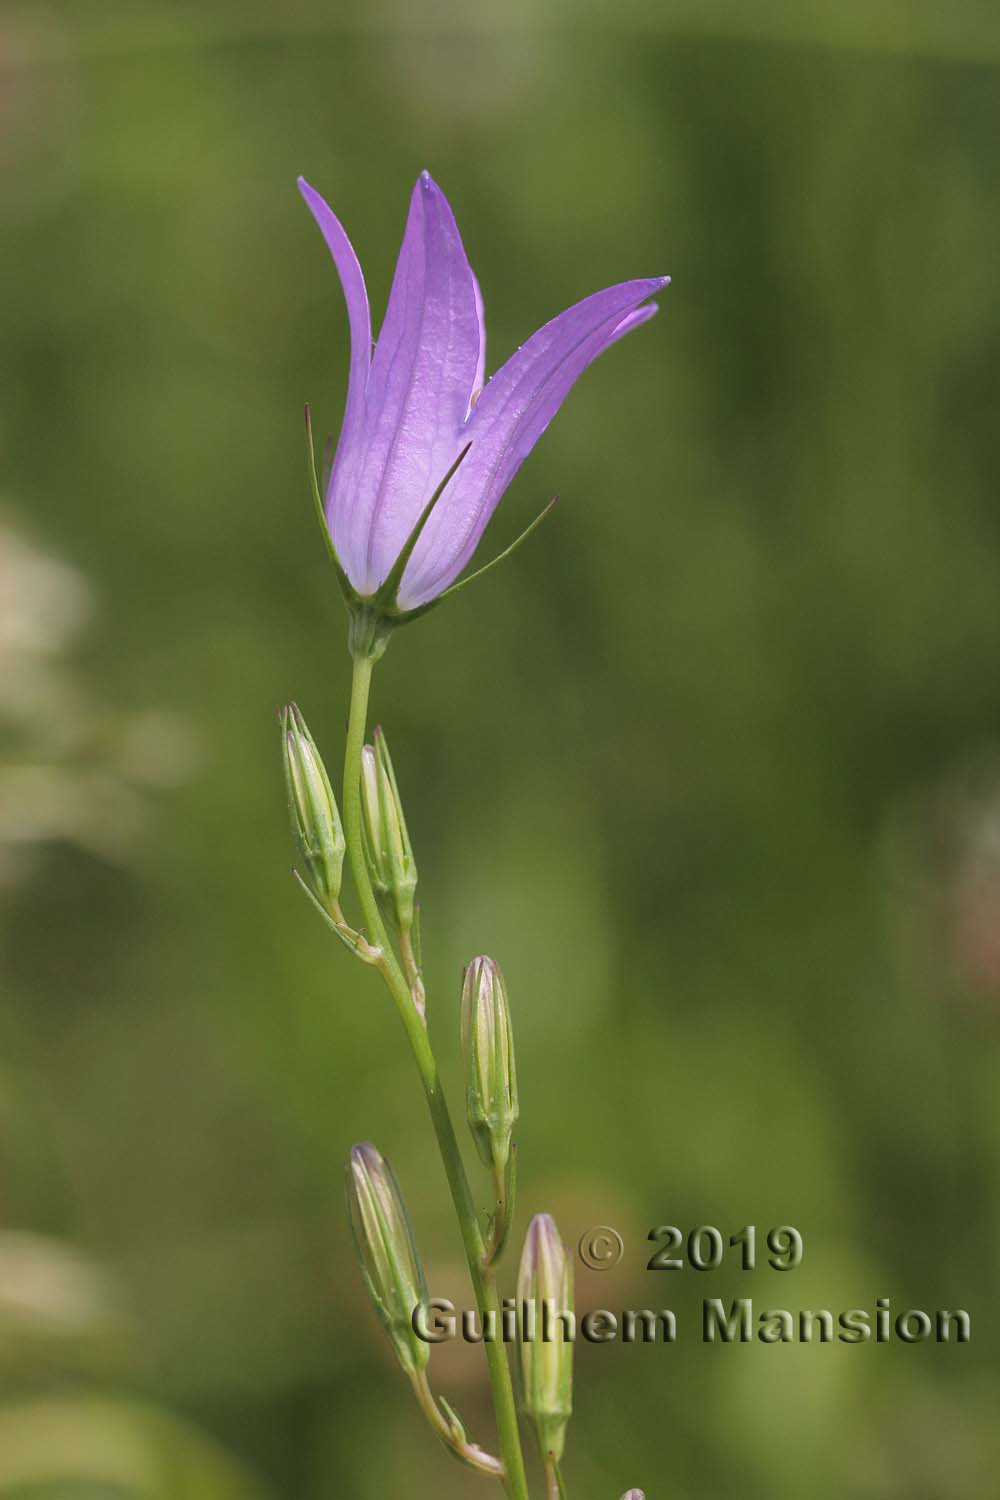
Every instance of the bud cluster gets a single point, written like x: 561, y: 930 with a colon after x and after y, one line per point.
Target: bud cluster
x: 383, y: 1235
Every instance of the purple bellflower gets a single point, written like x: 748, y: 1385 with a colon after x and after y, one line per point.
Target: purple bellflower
x: 427, y: 449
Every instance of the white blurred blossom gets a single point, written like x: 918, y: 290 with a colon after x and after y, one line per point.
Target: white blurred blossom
x: 72, y: 767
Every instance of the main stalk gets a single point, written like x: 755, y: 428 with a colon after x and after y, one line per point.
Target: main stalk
x: 483, y: 1282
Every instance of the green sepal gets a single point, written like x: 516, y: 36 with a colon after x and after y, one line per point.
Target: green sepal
x: 423, y: 609
x: 501, y: 556
x: 453, y: 1420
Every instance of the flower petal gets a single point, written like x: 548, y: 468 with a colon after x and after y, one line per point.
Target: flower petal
x: 515, y: 408
x: 355, y: 295
x: 633, y: 320
x: 420, y: 385
x: 352, y: 280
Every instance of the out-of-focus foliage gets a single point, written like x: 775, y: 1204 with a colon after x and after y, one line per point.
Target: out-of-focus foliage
x: 711, y: 767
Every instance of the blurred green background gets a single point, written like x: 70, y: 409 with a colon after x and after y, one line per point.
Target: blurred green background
x: 713, y: 768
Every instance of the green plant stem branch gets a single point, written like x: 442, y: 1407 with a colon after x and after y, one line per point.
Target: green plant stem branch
x: 412, y: 970
x: 500, y: 1228
x: 555, y: 1488
x: 483, y: 1283
x: 451, y: 1435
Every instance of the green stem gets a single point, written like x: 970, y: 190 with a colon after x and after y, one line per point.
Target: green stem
x: 412, y: 970
x: 483, y: 1283
x: 450, y: 1434
x: 553, y: 1478
x: 503, y: 1193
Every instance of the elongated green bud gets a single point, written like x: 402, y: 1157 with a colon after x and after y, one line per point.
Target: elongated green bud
x: 316, y: 825
x: 387, y: 1251
x: 545, y: 1304
x: 490, y: 1075
x: 388, y: 852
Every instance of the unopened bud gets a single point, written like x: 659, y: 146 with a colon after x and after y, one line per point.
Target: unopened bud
x: 490, y: 1075
x: 388, y: 852
x: 387, y: 1251
x: 545, y: 1284
x: 316, y: 825
x: 634, y: 1495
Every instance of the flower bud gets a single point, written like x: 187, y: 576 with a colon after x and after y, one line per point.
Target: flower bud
x: 490, y: 1075
x: 387, y: 1251
x: 388, y: 853
x: 316, y: 825
x: 545, y: 1301
x: 634, y: 1495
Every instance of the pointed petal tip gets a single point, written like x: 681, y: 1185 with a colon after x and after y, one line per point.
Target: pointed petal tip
x: 314, y: 200
x: 632, y: 320
x: 426, y: 182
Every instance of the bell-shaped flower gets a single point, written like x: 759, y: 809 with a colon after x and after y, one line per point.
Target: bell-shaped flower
x: 427, y: 449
